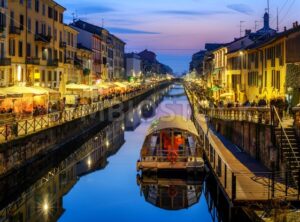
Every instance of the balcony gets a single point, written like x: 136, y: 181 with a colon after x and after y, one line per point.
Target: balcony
x: 2, y: 28
x: 13, y: 30
x: 52, y: 62
x: 33, y: 61
x: 68, y: 61
x: 62, y: 45
x: 44, y: 39
x: 78, y: 63
x: 5, y: 61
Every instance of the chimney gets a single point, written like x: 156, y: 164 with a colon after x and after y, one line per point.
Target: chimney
x: 266, y: 21
x: 247, y: 32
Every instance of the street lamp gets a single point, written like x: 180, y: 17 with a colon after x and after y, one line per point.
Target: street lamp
x: 289, y: 97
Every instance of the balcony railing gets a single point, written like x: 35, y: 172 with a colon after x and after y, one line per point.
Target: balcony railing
x: 13, y: 30
x: 68, y: 60
x: 33, y: 61
x: 5, y: 61
x: 78, y: 63
x: 52, y: 62
x: 43, y: 38
x: 62, y: 44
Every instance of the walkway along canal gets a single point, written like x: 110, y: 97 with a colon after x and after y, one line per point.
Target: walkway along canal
x: 39, y: 135
x: 243, y: 180
x: 97, y: 180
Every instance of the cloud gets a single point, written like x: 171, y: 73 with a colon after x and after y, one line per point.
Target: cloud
x: 191, y: 13
x: 93, y: 9
x: 119, y: 30
x: 241, y: 8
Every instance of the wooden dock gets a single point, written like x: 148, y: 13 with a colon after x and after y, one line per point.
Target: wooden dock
x: 241, y: 178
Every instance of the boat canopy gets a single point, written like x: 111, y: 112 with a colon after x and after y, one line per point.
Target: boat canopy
x: 172, y: 122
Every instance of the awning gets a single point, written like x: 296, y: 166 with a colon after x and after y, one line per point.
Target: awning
x: 224, y: 95
x: 74, y: 86
x: 23, y: 90
x: 172, y: 122
x: 46, y: 90
x: 119, y: 84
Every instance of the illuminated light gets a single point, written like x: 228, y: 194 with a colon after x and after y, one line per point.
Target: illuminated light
x: 89, y: 162
x: 123, y: 127
x: 19, y: 73
x: 241, y: 53
x: 131, y: 119
x: 96, y: 138
x: 107, y: 143
x: 37, y: 75
x: 45, y: 207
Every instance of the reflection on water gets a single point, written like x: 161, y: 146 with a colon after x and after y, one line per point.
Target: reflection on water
x: 83, y: 183
x: 170, y: 192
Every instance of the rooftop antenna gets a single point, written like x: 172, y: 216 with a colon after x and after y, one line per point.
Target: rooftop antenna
x: 268, y: 9
x: 74, y: 16
x: 241, y: 28
x: 256, y: 24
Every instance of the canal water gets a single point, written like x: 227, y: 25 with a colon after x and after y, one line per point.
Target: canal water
x: 113, y: 194
x: 88, y: 183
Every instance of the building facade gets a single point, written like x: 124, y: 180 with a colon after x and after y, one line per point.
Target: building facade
x: 133, y: 65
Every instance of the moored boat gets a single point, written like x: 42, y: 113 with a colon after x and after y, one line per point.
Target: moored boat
x: 171, y: 143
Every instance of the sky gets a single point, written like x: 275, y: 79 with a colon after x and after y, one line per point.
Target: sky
x: 175, y: 29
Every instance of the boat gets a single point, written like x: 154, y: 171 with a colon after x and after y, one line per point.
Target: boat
x: 171, y: 143
x: 170, y: 192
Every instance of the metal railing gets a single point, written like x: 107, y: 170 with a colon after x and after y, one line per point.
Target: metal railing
x: 276, y: 121
x: 17, y: 128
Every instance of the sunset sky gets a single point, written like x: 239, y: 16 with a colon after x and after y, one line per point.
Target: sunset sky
x: 175, y: 29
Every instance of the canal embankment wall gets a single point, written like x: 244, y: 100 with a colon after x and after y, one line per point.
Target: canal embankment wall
x: 17, y: 153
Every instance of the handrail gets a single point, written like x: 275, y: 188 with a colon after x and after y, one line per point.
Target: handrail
x: 285, y: 134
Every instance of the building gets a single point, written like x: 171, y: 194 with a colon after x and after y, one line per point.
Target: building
x: 89, y: 37
x: 149, y: 63
x: 30, y: 45
x: 133, y: 65
x: 108, y: 50
x: 83, y: 63
x: 197, y: 62
x: 118, y: 58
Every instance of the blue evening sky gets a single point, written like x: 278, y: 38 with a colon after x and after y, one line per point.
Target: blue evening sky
x: 175, y: 29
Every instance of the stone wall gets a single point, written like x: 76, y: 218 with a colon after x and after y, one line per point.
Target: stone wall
x: 254, y: 139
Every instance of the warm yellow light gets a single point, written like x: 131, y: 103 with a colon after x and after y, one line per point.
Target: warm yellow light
x: 107, y: 143
x: 89, y: 162
x: 241, y: 53
x: 19, y: 73
x: 123, y: 127
x: 37, y: 75
x: 46, y: 207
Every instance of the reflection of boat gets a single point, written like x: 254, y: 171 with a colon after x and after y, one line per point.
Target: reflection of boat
x: 171, y: 144
x: 170, y: 193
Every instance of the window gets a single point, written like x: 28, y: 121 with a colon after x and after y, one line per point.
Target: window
x: 28, y: 3
x: 266, y: 78
x: 44, y: 10
x: 43, y: 76
x: 37, y: 5
x: 21, y: 2
x: 61, y: 18
x: 55, y: 15
x: 49, y: 76
x: 36, y: 51
x: 60, y: 56
x: 29, y: 25
x: 12, y: 47
x: 21, y: 22
x: 20, y: 49
x: 2, y: 20
x: 55, y: 34
x: 28, y: 50
x: 2, y: 75
x: 49, y: 30
x: 12, y: 19
x: 253, y: 79
x: 276, y: 79
x: 36, y: 27
x: 50, y: 12
x: 44, y: 53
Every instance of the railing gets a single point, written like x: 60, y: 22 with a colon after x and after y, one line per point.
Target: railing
x: 296, y: 112
x: 14, y: 30
x: 52, y: 62
x: 42, y: 38
x: 247, y: 186
x: 276, y: 121
x: 33, y: 61
x: 5, y: 61
x: 16, y: 128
